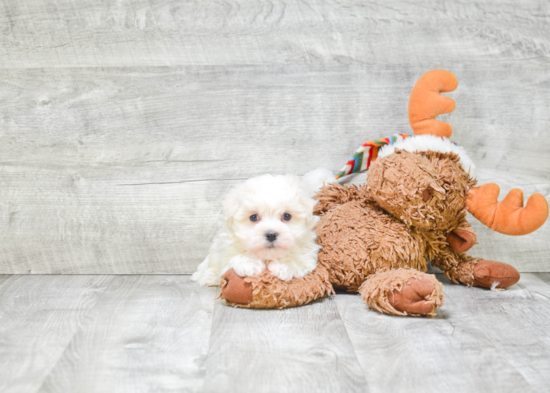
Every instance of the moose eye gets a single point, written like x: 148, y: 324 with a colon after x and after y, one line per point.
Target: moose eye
x: 427, y: 194
x: 254, y: 217
x: 287, y: 217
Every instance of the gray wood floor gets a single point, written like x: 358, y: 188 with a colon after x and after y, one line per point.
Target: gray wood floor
x: 104, y: 333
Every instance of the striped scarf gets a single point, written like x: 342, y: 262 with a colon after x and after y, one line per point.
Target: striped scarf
x: 366, y: 154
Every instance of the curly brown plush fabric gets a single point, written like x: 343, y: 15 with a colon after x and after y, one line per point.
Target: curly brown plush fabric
x: 380, y: 292
x: 333, y: 195
x: 358, y: 240
x: 426, y: 190
x: 377, y: 239
x: 270, y: 292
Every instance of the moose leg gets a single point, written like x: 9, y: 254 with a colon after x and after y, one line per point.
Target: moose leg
x: 333, y: 194
x: 403, y: 292
x: 267, y: 291
x: 463, y: 269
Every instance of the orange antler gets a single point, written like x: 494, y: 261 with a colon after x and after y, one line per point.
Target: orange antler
x: 508, y: 216
x: 425, y: 103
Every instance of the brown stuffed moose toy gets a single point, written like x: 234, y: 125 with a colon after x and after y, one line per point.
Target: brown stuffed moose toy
x: 377, y: 239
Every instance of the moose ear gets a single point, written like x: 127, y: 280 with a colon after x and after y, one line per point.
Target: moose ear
x: 430, y: 190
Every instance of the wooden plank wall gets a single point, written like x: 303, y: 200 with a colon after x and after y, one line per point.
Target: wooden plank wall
x: 123, y: 123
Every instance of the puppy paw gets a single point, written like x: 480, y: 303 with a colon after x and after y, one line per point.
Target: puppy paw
x: 246, y: 266
x: 281, y: 271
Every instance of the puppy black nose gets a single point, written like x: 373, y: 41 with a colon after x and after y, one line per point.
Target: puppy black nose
x: 271, y: 236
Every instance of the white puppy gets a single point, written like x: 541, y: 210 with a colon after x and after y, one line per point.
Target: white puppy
x: 268, y: 223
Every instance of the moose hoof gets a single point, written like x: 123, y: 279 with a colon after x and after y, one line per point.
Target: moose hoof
x: 235, y: 289
x: 415, y: 297
x: 492, y: 274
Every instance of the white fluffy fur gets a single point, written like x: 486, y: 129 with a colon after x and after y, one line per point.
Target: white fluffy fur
x: 242, y: 245
x: 315, y: 179
x: 431, y: 142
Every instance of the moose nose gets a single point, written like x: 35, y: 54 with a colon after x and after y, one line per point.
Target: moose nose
x: 271, y: 236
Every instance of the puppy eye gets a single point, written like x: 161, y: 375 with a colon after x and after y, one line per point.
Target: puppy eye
x: 287, y: 217
x: 254, y: 217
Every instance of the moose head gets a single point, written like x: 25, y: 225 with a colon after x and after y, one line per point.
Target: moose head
x: 509, y: 216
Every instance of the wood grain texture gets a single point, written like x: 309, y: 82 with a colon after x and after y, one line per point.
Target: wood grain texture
x: 303, y: 349
x: 122, y: 124
x: 65, y: 33
x: 71, y: 333
x: 39, y: 317
x: 146, y: 333
x: 124, y: 185
x: 480, y: 341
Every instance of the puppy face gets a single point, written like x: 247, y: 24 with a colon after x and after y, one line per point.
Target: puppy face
x: 270, y: 215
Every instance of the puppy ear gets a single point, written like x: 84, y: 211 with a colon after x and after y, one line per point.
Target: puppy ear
x: 231, y: 203
x: 308, y: 205
x: 314, y: 180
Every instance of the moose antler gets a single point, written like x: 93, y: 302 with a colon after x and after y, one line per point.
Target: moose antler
x: 425, y: 103
x: 508, y: 216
